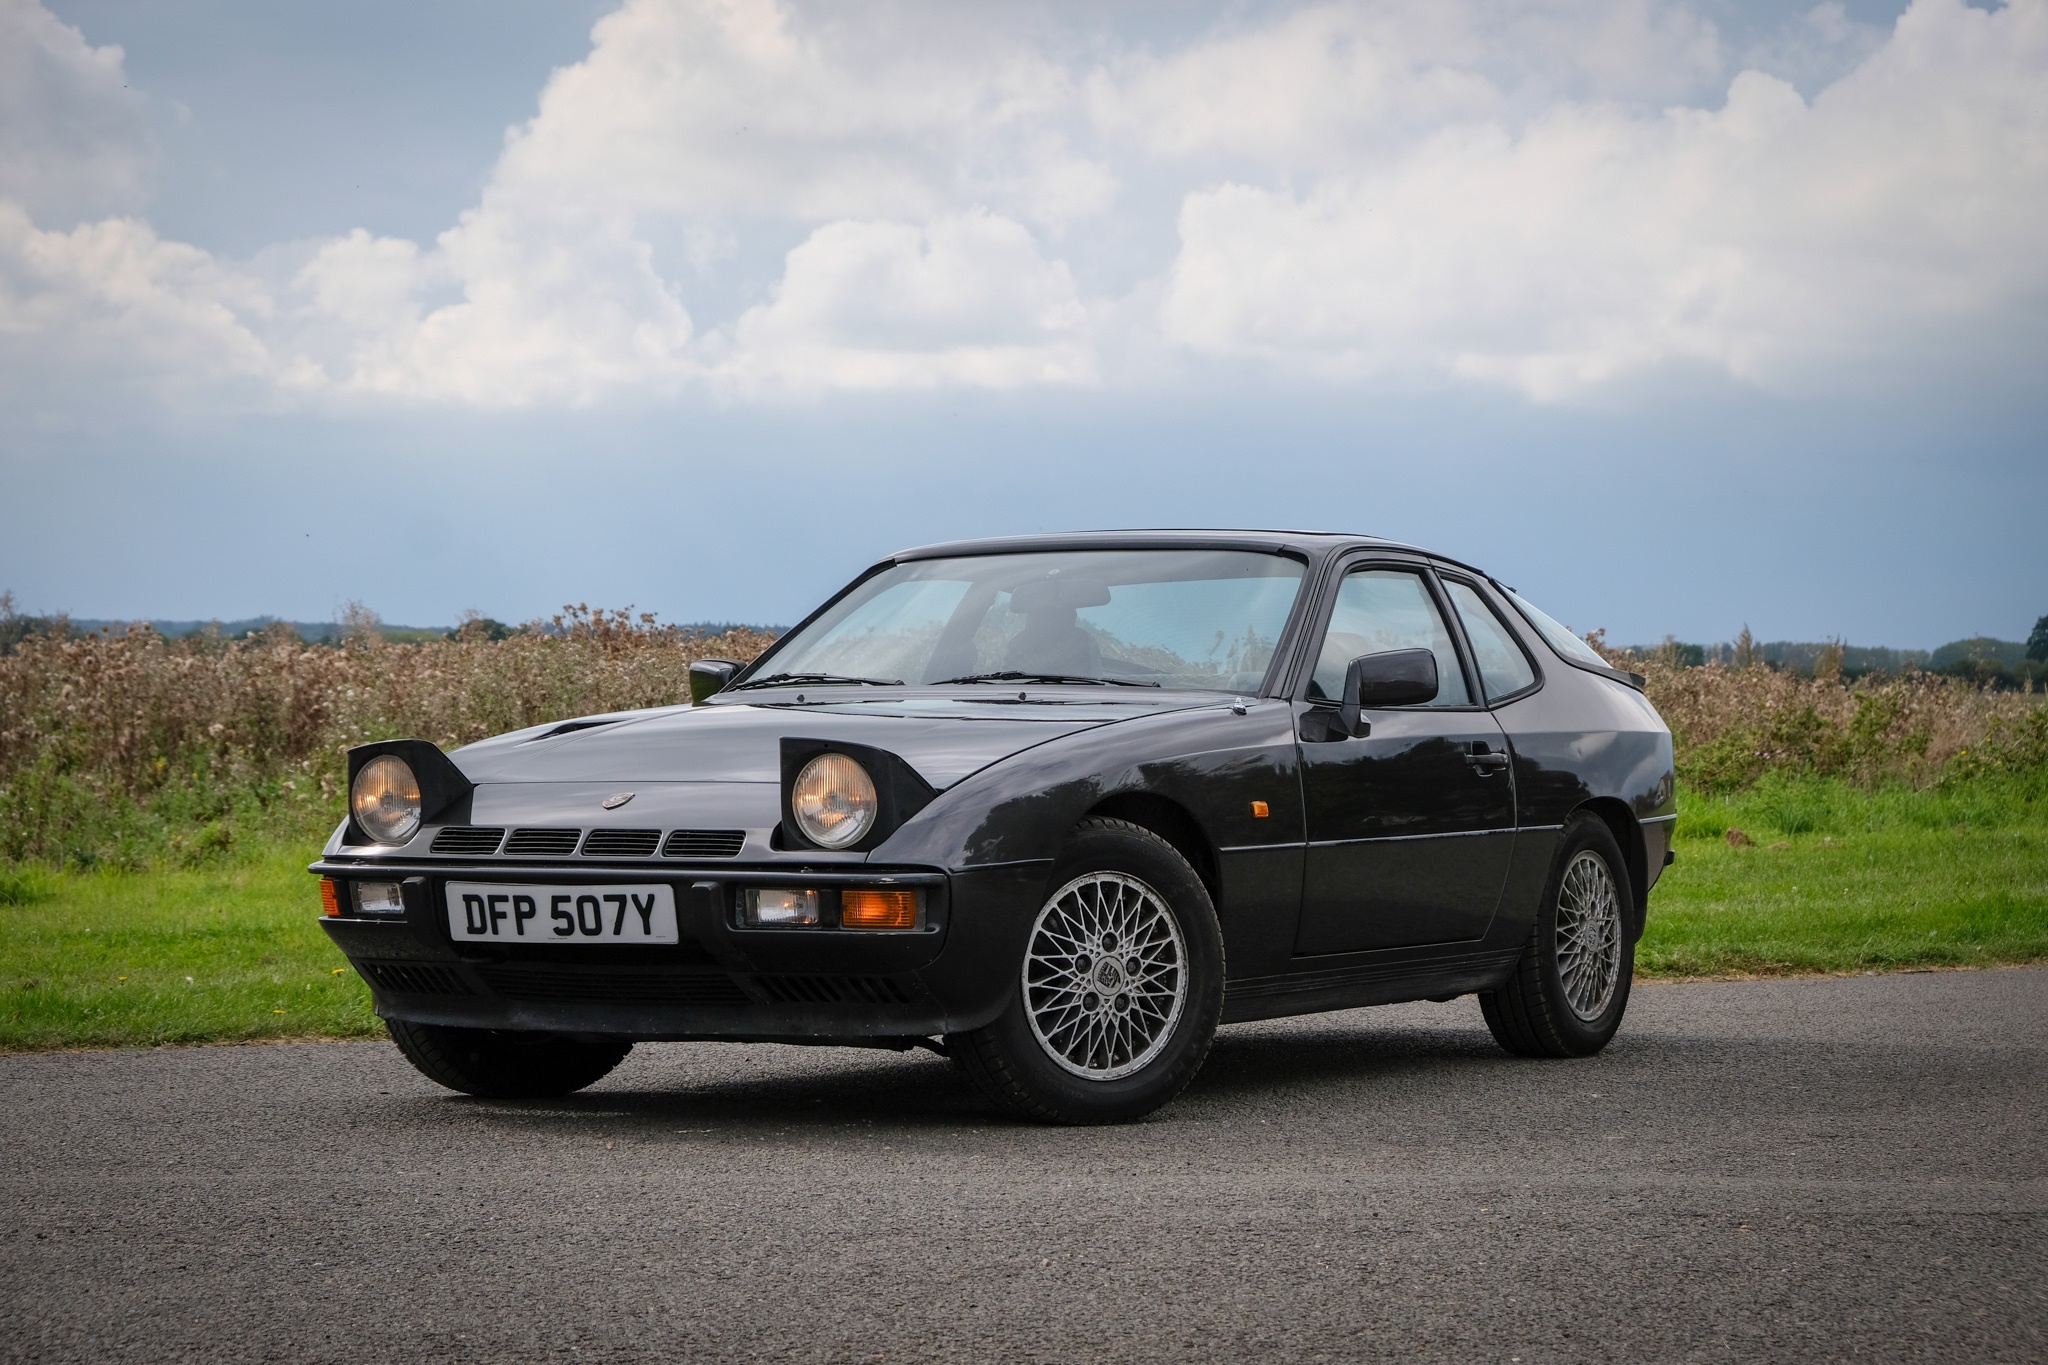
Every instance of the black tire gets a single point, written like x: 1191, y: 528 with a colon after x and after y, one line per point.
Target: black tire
x: 1008, y: 1062
x: 502, y: 1064
x: 1535, y: 1013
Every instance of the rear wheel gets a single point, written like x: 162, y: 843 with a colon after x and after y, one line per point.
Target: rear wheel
x: 1118, y: 991
x: 504, y: 1064
x: 1567, y: 994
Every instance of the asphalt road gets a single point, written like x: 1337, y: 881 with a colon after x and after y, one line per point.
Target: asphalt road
x: 1801, y: 1170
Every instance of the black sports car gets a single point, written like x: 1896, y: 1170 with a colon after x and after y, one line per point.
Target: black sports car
x: 1055, y: 806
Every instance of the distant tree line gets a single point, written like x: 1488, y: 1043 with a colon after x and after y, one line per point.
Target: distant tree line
x: 356, y: 620
x: 1981, y: 659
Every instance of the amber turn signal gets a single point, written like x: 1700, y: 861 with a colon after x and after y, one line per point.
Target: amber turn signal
x: 330, y: 897
x: 1260, y: 810
x: 878, y: 909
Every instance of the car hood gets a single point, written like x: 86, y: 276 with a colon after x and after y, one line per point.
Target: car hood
x: 944, y: 738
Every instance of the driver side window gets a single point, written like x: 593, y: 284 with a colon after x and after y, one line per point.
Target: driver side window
x: 1382, y: 609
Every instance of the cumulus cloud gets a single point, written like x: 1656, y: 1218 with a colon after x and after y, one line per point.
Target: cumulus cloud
x: 873, y: 305
x: 756, y: 107
x: 1763, y: 238
x: 110, y: 300
x: 73, y: 138
x: 1331, y: 86
x: 562, y: 308
x: 1546, y: 195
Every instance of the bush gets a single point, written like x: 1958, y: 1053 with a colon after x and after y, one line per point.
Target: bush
x: 129, y: 748
x: 1733, y: 724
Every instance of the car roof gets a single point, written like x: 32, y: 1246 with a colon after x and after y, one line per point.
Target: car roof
x: 1314, y: 544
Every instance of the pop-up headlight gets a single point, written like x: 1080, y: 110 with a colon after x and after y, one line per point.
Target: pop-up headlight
x: 834, y: 800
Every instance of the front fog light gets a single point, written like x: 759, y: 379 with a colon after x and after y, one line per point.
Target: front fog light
x: 379, y: 898
x: 779, y: 906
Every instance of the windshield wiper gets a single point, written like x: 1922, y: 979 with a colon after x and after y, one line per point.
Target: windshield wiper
x: 1011, y: 675
x: 783, y: 679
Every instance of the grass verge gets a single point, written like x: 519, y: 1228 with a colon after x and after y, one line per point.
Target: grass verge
x: 134, y: 959
x: 1834, y: 879
x: 1839, y: 879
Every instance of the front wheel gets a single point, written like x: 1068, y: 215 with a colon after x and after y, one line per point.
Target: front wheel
x: 1566, y: 995
x: 1119, y: 986
x: 504, y: 1064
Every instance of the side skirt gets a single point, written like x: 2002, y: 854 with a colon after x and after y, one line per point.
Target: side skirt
x: 1374, y: 983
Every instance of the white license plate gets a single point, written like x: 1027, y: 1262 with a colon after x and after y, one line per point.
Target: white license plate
x: 497, y: 913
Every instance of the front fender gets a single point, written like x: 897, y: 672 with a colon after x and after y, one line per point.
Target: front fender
x: 1213, y: 763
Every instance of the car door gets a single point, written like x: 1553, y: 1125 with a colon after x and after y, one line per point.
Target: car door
x: 1411, y: 825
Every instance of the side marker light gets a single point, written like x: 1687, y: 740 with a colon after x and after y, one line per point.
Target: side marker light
x: 330, y: 897
x: 1260, y: 810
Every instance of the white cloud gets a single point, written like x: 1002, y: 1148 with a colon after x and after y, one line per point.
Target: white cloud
x: 1543, y: 195
x: 809, y: 112
x: 73, y: 140
x: 1330, y: 86
x: 1816, y: 47
x: 110, y: 301
x: 1767, y: 239
x: 565, y: 308
x: 873, y: 305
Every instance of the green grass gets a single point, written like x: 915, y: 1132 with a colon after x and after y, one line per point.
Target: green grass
x: 1837, y: 879
x: 1841, y: 880
x: 128, y: 959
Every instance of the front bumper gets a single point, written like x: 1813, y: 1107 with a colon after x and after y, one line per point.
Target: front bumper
x: 721, y: 980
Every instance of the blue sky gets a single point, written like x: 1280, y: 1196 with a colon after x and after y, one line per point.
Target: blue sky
x: 1676, y: 316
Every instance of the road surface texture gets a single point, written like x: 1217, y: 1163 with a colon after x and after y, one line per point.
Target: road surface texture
x: 1794, y: 1170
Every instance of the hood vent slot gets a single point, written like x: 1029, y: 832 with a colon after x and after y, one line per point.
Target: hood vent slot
x: 542, y: 843
x: 704, y: 843
x: 472, y: 840
x: 621, y: 843
x: 570, y: 727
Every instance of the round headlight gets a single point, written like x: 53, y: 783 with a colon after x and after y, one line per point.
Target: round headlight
x: 834, y: 801
x: 385, y: 800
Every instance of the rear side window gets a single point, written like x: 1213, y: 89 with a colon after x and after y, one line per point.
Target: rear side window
x: 1560, y: 639
x: 1503, y: 668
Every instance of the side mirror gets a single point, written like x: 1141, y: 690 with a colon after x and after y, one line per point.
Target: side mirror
x: 1399, y: 677
x: 708, y: 677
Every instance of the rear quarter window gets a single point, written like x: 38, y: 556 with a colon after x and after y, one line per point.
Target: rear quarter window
x: 1503, y: 668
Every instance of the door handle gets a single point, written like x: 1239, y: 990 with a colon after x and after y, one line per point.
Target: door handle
x: 1486, y: 765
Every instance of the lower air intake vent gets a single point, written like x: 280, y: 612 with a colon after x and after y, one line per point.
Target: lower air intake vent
x: 414, y: 978
x: 833, y: 990
x: 621, y: 843
x: 704, y: 843
x: 542, y: 843
x: 625, y: 986
x: 470, y: 839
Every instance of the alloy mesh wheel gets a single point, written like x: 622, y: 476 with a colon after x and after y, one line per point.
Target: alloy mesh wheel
x: 1105, y: 976
x: 1588, y: 935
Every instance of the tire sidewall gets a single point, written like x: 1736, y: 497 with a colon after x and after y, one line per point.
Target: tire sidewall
x: 1585, y: 834
x: 1143, y: 855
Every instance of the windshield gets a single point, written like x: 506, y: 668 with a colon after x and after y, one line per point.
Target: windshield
x: 1205, y: 619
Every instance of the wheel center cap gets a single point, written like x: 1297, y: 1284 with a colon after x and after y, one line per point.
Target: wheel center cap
x: 1109, y: 976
